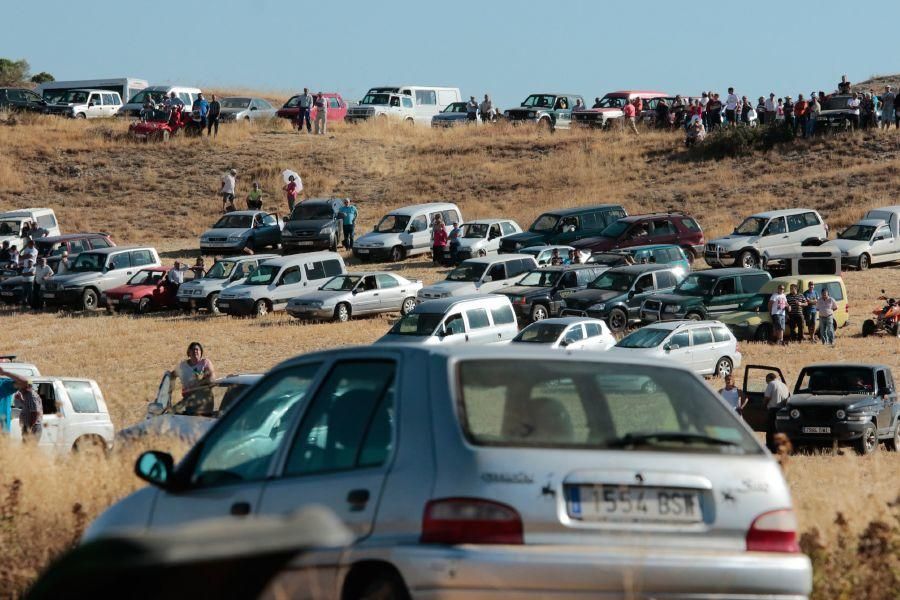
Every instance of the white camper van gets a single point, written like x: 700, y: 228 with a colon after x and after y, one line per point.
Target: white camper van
x: 54, y: 91
x: 428, y: 100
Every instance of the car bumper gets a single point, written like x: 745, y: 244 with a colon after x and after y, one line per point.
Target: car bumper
x: 307, y: 312
x: 119, y: 304
x: 62, y: 297
x: 218, y: 247
x: 720, y: 259
x: 237, y: 306
x: 840, y: 431
x: 12, y: 296
x: 317, y: 243
x: 593, y: 572
x: 376, y: 254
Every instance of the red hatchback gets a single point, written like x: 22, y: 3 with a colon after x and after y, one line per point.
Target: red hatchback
x: 639, y: 230
x: 337, y: 108
x: 147, y: 290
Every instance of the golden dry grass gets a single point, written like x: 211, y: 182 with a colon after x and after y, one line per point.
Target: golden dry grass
x: 97, y: 179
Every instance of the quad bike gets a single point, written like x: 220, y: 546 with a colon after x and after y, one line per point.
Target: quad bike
x: 886, y: 318
x: 160, y: 125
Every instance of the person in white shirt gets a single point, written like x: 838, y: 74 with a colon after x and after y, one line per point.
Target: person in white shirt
x: 733, y: 395
x: 229, y: 181
x: 731, y: 106
x: 771, y: 108
x: 41, y: 274
x: 775, y: 396
x: 853, y: 104
x: 777, y: 308
x: 63, y: 265
x: 321, y: 104
x: 487, y: 109
x: 175, y: 276
x: 28, y: 259
x: 472, y: 109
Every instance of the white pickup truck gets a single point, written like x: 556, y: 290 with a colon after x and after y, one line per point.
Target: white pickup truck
x: 75, y: 416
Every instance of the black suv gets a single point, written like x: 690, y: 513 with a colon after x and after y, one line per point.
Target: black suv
x: 541, y: 293
x: 15, y: 99
x: 314, y: 225
x: 564, y: 226
x: 837, y: 114
x: 705, y: 295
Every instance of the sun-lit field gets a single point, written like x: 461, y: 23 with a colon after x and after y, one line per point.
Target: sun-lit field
x: 165, y: 195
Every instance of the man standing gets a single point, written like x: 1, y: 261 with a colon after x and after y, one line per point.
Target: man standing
x: 800, y: 115
x: 304, y: 103
x: 455, y: 234
x: 630, y: 110
x: 31, y: 417
x: 853, y: 104
x: 703, y: 102
x: 809, y: 313
x: 212, y: 118
x: 41, y: 274
x: 844, y: 85
x: 796, y: 304
x: 731, y: 105
x: 771, y: 108
x: 826, y: 307
x: 887, y: 106
x: 28, y: 260
x: 348, y: 214
x: 788, y: 113
x: 812, y: 113
x: 775, y: 396
x: 733, y: 395
x: 201, y: 109
x: 777, y: 307
x: 175, y: 276
x: 229, y: 181
x: 321, y: 104
x: 472, y: 109
x: 487, y: 109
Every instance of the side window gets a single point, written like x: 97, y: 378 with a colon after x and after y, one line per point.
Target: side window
x: 186, y: 98
x: 507, y: 228
x: 99, y: 243
x: 796, y: 222
x: 426, y: 97
x: 592, y: 330
x: 121, y: 260
x: 720, y: 334
x: 449, y: 216
x: 725, y: 287
x: 591, y: 221
x: 420, y: 223
x: 518, y: 266
x: 48, y: 398
x: 750, y: 284
x: 349, y: 423
x: 812, y: 219
x: 574, y: 334
x: 334, y: 103
x: 16, y: 96
x: 497, y: 272
x: 478, y: 318
x: 675, y: 254
x: 644, y: 283
x: 407, y: 103
x: 386, y: 282
x: 611, y: 216
x: 293, y: 275
x: 368, y: 283
x: 46, y: 221
x: 682, y: 339
x: 454, y: 324
x: 775, y: 226
x: 884, y: 232
x: 503, y: 315
x: 269, y: 220
x: 139, y: 258
x: 77, y: 246
x: 665, y: 279
x: 97, y: 99
x: 690, y: 224
x: 835, y: 291
x: 314, y: 270
x: 660, y: 255
x: 663, y: 227
x: 32, y: 97
x: 702, y: 335
x: 332, y: 267
x: 569, y: 280
x: 81, y: 393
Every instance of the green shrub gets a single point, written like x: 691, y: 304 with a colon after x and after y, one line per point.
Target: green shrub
x: 731, y: 142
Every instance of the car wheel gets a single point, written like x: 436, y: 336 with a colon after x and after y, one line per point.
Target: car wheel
x: 410, y: 121
x: 748, y: 260
x: 213, y: 304
x: 893, y: 444
x: 397, y: 253
x: 407, y: 307
x: 384, y: 587
x: 90, y: 445
x: 763, y: 333
x: 724, y: 367
x: 81, y: 116
x: 261, y: 308
x: 868, y: 327
x: 342, y: 313
x: 539, y: 312
x: 868, y: 442
x: 90, y: 300
x: 618, y: 320
x: 864, y: 261
x: 144, y: 305
x: 693, y: 316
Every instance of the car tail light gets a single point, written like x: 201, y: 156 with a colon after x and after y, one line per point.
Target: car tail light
x: 470, y: 521
x: 774, y: 531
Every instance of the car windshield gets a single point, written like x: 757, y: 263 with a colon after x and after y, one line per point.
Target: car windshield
x: 618, y: 282
x: 612, y: 259
x: 146, y: 278
x: 234, y: 222
x: 88, y: 262
x: 614, y: 230
x: 836, y: 103
x: 235, y: 102
x: 264, y: 275
x: 343, y: 283
x: 545, y: 222
x: 751, y: 226
x: 861, y: 233
x: 312, y: 211
x: 539, y: 101
x: 696, y: 285
x: 221, y: 270
x: 611, y: 102
x: 376, y: 99
x: 467, y: 272
x: 755, y: 302
x: 835, y: 380
x: 475, y: 230
x: 392, y: 224
x: 417, y: 324
x: 594, y: 405
x: 540, y: 279
x: 10, y: 227
x: 455, y: 107
x: 74, y: 97
x: 141, y: 96
x: 540, y: 333
x: 646, y: 337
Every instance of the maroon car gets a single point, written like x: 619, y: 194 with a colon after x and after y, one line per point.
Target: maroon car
x: 639, y: 230
x: 337, y: 108
x: 147, y: 290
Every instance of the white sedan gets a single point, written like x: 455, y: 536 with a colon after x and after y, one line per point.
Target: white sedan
x: 571, y: 333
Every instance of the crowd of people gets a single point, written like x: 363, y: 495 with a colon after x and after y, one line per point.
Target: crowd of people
x: 207, y: 113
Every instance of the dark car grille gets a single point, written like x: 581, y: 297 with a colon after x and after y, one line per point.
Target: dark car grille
x: 519, y: 115
x: 218, y: 239
x: 303, y: 234
x: 586, y: 116
x: 817, y: 414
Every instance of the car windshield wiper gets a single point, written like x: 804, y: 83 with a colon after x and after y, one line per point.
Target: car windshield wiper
x: 649, y: 439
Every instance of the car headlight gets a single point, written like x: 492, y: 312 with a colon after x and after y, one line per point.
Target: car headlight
x: 325, y: 229
x: 671, y: 308
x: 860, y: 416
x: 316, y: 304
x: 795, y: 414
x: 840, y: 414
x: 532, y: 113
x: 517, y: 299
x: 601, y: 306
x: 844, y: 253
x: 234, y: 237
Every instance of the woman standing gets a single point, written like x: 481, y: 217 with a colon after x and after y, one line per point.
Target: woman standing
x: 196, y: 373
x: 439, y: 240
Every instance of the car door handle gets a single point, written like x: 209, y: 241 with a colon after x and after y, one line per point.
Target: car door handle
x: 375, y: 294
x: 358, y: 499
x: 240, y: 509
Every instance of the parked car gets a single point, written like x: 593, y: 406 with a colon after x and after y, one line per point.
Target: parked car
x: 832, y: 405
x: 640, y: 230
x: 383, y: 105
x: 547, y: 110
x: 158, y: 93
x: 204, y: 292
x: 480, y: 275
x: 146, y: 290
x: 13, y: 222
x: 751, y: 321
x: 87, y: 104
x: 95, y: 272
x: 356, y: 294
x: 15, y: 99
x: 9, y: 363
x: 705, y: 295
x: 564, y: 226
x: 404, y: 232
x: 52, y: 247
x: 542, y: 293
x: 616, y: 296
x: 836, y: 114
x: 337, y: 108
x: 659, y: 254
x: 242, y: 230
x: 476, y: 319
x: 428, y: 100
x: 772, y: 233
x: 276, y: 281
x: 456, y: 113
x: 75, y: 416
x: 483, y: 236
x: 244, y: 108
x: 609, y: 110
x: 544, y: 254
x: 459, y: 463
x: 314, y: 225
x: 874, y: 239
x: 570, y: 333
x: 705, y: 347
x: 189, y: 417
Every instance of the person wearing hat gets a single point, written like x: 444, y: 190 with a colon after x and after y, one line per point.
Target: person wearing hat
x: 254, y: 198
x: 31, y: 417
x: 229, y: 181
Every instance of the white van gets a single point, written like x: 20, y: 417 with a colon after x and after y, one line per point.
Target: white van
x: 87, y: 104
x: 479, y: 319
x: 428, y: 100
x: 126, y: 87
x: 873, y: 239
x: 405, y: 232
x: 12, y: 223
x: 158, y: 92
x: 276, y: 281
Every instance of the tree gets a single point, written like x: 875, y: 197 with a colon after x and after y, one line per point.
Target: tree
x: 13, y: 72
x: 42, y: 77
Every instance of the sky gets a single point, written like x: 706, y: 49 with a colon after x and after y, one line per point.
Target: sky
x: 502, y: 47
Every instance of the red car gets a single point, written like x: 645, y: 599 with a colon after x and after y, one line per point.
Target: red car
x: 640, y: 230
x: 147, y: 290
x: 607, y: 110
x: 337, y: 108
x: 159, y: 125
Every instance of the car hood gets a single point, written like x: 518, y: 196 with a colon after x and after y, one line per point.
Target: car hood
x: 837, y: 400
x: 525, y: 239
x: 185, y: 427
x: 847, y: 246
x: 524, y: 290
x: 134, y: 290
x: 12, y: 281
x: 836, y: 112
x: 390, y: 338
x: 224, y: 232
x: 602, y: 110
x: 676, y: 299
x: 734, y: 241
x: 585, y: 298
x: 471, y: 242
x: 324, y: 296
x: 595, y: 244
x: 76, y: 278
x: 312, y: 225
x: 375, y: 236
x: 203, y: 284
x: 454, y: 288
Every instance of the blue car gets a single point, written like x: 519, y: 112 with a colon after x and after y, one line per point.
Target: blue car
x: 662, y: 254
x: 454, y: 114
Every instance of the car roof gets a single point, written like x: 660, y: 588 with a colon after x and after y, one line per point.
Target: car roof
x: 683, y: 324
x: 644, y: 247
x: 642, y: 268
x: 414, y: 208
x: 575, y: 210
x: 65, y: 237
x: 367, y: 273
x: 291, y: 259
x: 893, y: 208
x: 486, y: 221
x: 543, y: 248
x: 871, y: 222
x: 636, y: 218
x: 572, y: 267
x: 112, y: 249
x: 729, y: 271
x: 246, y: 257
x: 52, y: 378
x: 789, y: 279
x: 243, y: 212
x: 554, y: 94
x: 637, y: 92
x: 782, y: 212
x: 322, y: 200
x: 441, y: 305
x: 565, y: 320
x: 495, y: 258
x: 24, y: 212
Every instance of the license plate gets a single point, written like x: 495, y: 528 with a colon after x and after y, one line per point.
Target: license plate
x: 630, y: 503
x: 305, y: 243
x: 49, y: 295
x: 222, y: 304
x: 817, y: 430
x: 6, y: 293
x: 362, y: 250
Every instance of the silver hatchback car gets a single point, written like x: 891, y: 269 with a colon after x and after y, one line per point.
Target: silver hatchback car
x: 486, y: 472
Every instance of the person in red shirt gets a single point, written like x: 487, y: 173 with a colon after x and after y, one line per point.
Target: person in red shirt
x: 290, y: 191
x: 630, y: 110
x: 801, y: 113
x: 439, y: 240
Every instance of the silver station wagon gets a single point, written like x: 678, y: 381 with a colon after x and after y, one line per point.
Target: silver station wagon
x: 492, y: 472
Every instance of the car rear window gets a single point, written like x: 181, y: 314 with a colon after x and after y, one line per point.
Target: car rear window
x: 592, y: 405
x: 81, y: 393
x: 503, y: 315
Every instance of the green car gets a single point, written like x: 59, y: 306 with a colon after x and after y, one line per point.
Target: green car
x: 561, y: 227
x: 553, y: 111
x: 705, y: 295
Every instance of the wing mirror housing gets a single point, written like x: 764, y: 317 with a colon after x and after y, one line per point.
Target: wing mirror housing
x: 156, y: 468
x: 154, y: 409
x: 631, y: 294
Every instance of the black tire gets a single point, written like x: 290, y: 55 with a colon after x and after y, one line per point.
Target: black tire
x: 864, y: 262
x: 261, y: 308
x: 893, y: 444
x: 868, y: 442
x: 342, y: 313
x: 763, y: 333
x: 213, y: 304
x: 144, y: 305
x: 81, y: 116
x: 724, y: 367
x: 617, y: 320
x: 693, y: 316
x: 90, y: 300
x: 384, y: 587
x: 868, y: 327
x: 397, y: 254
x: 539, y: 312
x: 748, y: 259
x: 408, y: 305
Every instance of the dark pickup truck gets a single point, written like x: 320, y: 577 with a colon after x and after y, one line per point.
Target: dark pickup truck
x: 831, y: 405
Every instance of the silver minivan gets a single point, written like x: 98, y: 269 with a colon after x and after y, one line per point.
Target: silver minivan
x: 404, y: 232
x: 480, y: 275
x: 475, y: 319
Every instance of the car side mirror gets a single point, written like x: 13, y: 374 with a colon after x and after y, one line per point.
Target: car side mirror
x: 487, y: 278
x: 252, y: 108
x: 154, y: 409
x: 631, y: 294
x: 155, y: 468
x: 564, y: 343
x: 354, y: 291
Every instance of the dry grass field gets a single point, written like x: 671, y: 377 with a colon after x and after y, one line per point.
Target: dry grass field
x: 98, y: 179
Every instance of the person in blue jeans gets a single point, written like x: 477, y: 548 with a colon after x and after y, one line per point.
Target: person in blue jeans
x: 201, y: 107
x: 809, y: 313
x: 304, y: 105
x: 348, y: 215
